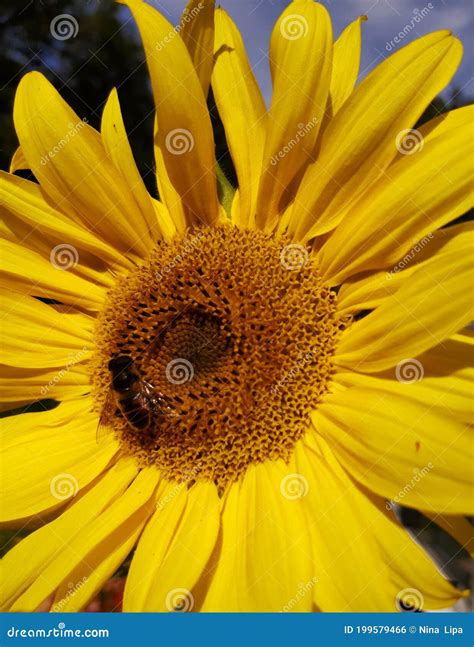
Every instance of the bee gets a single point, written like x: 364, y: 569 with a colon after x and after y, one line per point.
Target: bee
x: 135, y: 399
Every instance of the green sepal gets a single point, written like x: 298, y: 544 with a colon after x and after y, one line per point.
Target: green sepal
x: 225, y: 190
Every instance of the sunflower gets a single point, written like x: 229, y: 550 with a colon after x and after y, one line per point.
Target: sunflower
x: 242, y: 382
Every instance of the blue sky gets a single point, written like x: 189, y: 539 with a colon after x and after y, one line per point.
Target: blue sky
x: 386, y: 18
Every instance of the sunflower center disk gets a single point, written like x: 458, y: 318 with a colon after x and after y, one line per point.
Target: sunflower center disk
x: 230, y: 334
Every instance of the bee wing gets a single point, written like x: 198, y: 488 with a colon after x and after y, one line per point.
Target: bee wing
x: 107, y: 410
x: 148, y: 390
x: 157, y: 400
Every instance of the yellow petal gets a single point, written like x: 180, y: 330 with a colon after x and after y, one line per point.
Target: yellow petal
x: 18, y: 162
x: 87, y: 579
x: 197, y: 32
x: 61, y: 255
x: 35, y: 335
x: 300, y: 61
x: 441, y: 378
x: 363, y: 557
x: 126, y: 513
x: 167, y: 224
x: 242, y: 110
x: 160, y: 530
x: 368, y: 290
x: 450, y: 366
x: 400, y: 448
x: 345, y: 64
x: 46, y: 228
x: 432, y: 306
x: 32, y: 384
x: 58, y: 454
x: 345, y: 70
x: 25, y: 560
x: 67, y: 157
x: 114, y: 137
x: 28, y: 272
x: 173, y: 551
x: 266, y: 553
x: 417, y: 195
x: 184, y: 134
x: 168, y: 194
x: 220, y: 595
x: 360, y: 142
x: 12, y: 404
x: 444, y: 124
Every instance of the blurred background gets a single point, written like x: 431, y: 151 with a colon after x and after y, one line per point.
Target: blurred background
x: 103, y: 51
